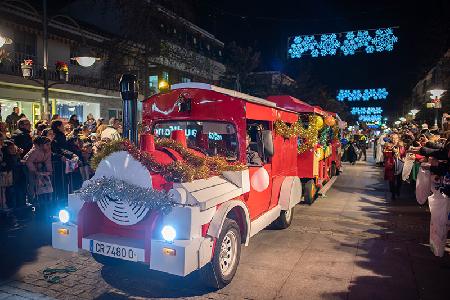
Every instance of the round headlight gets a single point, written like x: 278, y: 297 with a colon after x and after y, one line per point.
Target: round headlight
x: 64, y: 216
x: 168, y: 233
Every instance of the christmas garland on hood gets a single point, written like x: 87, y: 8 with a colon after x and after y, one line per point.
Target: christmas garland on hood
x: 191, y: 168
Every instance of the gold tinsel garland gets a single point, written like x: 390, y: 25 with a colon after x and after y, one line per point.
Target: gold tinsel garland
x: 192, y: 167
x: 308, y: 136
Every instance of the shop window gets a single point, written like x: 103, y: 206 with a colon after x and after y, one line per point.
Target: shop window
x: 153, y: 83
x: 66, y: 108
x: 185, y: 79
x: 165, y: 76
x: 115, y: 113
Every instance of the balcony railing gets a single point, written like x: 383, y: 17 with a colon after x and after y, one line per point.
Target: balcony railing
x: 13, y: 67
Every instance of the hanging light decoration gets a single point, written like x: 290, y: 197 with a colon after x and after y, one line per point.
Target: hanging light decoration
x: 4, y: 40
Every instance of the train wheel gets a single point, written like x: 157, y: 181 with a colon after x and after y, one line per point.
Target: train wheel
x: 333, y: 170
x: 285, y: 219
x: 227, y: 252
x: 310, y: 191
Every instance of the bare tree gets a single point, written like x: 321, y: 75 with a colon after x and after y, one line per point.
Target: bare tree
x: 144, y: 26
x: 239, y: 62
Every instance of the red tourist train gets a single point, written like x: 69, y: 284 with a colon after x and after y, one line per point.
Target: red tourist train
x: 317, y: 166
x: 211, y: 217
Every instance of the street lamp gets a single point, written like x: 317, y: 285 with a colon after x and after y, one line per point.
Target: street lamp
x: 436, y: 95
x: 4, y: 40
x: 85, y: 57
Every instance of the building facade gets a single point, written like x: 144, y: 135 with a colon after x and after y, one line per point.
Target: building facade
x: 88, y: 89
x: 263, y: 84
x: 437, y: 78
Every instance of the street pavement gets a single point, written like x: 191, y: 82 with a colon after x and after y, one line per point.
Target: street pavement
x: 353, y: 243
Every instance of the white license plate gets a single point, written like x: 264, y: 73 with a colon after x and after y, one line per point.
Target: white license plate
x: 111, y: 250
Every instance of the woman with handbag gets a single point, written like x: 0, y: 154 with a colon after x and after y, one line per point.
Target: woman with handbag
x: 39, y: 164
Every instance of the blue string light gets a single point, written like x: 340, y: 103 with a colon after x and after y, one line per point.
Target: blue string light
x: 383, y: 39
x: 370, y: 118
x: 366, y: 110
x: 362, y: 95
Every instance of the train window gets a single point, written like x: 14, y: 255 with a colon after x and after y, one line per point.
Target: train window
x: 209, y: 137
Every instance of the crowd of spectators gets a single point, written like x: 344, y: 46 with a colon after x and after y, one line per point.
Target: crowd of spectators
x: 418, y: 155
x: 41, y: 163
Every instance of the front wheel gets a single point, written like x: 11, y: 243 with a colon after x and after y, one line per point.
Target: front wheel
x: 285, y: 219
x: 310, y: 191
x: 227, y: 252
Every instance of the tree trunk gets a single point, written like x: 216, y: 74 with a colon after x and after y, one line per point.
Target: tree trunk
x: 146, y: 74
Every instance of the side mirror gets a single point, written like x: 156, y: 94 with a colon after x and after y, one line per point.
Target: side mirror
x: 267, y: 142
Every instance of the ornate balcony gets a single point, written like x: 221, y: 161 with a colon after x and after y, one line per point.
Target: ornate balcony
x: 12, y: 66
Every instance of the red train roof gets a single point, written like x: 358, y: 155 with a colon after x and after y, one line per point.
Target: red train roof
x: 291, y: 103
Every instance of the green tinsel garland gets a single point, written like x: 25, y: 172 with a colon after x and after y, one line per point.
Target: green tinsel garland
x: 131, y: 194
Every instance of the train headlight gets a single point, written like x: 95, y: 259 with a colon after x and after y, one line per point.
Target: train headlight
x: 64, y: 216
x: 168, y: 233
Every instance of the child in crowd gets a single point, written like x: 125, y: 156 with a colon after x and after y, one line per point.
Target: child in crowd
x: 87, y: 153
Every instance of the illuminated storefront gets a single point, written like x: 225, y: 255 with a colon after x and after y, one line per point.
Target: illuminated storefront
x: 66, y: 108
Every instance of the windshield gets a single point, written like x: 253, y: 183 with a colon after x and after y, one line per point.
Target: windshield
x: 211, y: 138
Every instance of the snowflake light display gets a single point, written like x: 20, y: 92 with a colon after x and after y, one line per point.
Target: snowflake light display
x: 370, y: 118
x: 366, y: 111
x: 362, y: 95
x: 303, y: 44
x: 382, y: 39
x: 349, y: 46
x: 328, y: 44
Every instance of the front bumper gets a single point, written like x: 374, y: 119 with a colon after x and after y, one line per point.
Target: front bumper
x: 178, y: 258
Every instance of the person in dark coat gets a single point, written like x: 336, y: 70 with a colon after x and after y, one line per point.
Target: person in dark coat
x: 352, y: 152
x: 59, y: 143
x: 253, y: 158
x: 60, y: 153
x: 16, y: 193
x: 22, y: 136
x: 75, y: 146
x: 12, y: 119
x: 74, y: 121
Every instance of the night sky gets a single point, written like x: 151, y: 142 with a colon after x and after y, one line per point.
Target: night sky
x: 266, y: 25
x: 423, y: 37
